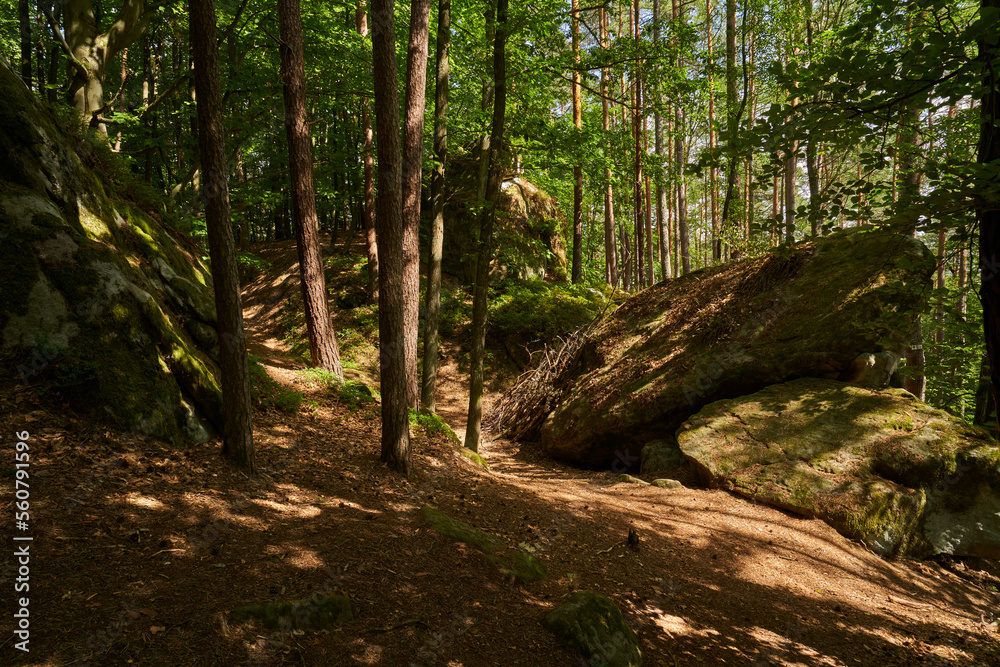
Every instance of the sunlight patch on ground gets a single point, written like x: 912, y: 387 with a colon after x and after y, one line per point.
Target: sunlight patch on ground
x: 299, y: 511
x: 146, y: 502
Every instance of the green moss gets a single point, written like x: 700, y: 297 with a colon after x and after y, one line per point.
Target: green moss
x: 461, y: 532
x: 473, y: 456
x: 433, y: 425
x: 590, y: 622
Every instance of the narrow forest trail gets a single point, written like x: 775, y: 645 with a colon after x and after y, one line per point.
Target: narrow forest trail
x: 715, y: 580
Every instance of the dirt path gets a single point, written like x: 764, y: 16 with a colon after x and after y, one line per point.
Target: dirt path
x: 716, y: 579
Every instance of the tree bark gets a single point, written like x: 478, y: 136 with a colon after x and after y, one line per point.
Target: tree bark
x: 323, y: 352
x: 637, y: 119
x: 578, y: 169
x: 361, y: 20
x: 487, y: 218
x: 610, y: 249
x: 90, y: 53
x: 413, y: 150
x: 238, y: 445
x: 389, y: 221
x: 433, y: 301
x: 732, y: 210
x: 988, y: 212
x: 24, y: 26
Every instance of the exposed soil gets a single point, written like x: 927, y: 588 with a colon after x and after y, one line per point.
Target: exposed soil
x: 141, y: 551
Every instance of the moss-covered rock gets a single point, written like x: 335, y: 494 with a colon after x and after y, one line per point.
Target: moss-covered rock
x: 98, y: 299
x: 519, y: 566
x: 315, y: 613
x: 591, y: 623
x: 880, y: 466
x: 474, y: 457
x: 732, y: 330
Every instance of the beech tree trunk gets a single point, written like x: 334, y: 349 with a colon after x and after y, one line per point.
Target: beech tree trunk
x: 389, y: 221
x: 237, y: 435
x: 433, y: 301
x: 732, y: 209
x: 323, y: 352
x: 413, y: 151
x: 487, y: 218
x: 90, y: 53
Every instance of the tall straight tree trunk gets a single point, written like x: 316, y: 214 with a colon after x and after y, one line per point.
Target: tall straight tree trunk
x: 578, y: 169
x: 24, y: 26
x: 732, y: 209
x: 713, y: 174
x: 237, y: 432
x: 323, y: 351
x: 389, y: 221
x: 413, y: 151
x: 361, y: 21
x: 637, y: 119
x: 487, y: 217
x: 790, y: 164
x: 989, y: 215
x: 610, y: 249
x: 683, y: 234
x: 658, y: 147
x: 433, y: 304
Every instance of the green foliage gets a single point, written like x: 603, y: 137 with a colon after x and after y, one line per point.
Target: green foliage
x: 432, y: 424
x: 543, y: 310
x: 250, y: 266
x: 352, y: 393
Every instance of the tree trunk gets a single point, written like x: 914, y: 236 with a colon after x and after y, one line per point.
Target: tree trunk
x: 638, y: 118
x: 323, y: 352
x: 389, y: 220
x: 433, y: 302
x: 369, y: 139
x: 237, y: 435
x: 413, y: 150
x: 487, y: 218
x: 90, y: 53
x: 578, y: 169
x: 24, y: 25
x: 790, y: 164
x: 732, y: 209
x: 988, y: 213
x: 610, y: 250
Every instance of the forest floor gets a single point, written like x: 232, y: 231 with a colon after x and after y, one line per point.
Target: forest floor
x: 142, y: 550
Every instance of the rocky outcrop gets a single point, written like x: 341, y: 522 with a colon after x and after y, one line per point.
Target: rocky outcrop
x: 99, y: 300
x: 838, y: 308
x: 880, y: 466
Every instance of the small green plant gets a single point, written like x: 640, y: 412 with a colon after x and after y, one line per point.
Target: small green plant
x: 432, y: 425
x: 355, y: 394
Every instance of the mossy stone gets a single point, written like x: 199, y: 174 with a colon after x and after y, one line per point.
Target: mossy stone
x: 474, y: 457
x: 519, y: 566
x: 590, y: 622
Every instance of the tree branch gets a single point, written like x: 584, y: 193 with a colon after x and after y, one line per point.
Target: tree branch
x: 81, y: 68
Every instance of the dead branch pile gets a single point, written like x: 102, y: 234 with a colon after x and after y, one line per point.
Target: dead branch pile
x: 520, y: 411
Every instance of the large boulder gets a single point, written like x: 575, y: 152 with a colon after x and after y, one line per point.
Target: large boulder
x: 880, y: 466
x: 590, y: 622
x: 839, y: 308
x: 99, y: 300
x: 528, y: 233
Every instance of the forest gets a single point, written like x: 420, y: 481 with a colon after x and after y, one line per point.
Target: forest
x: 540, y: 333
